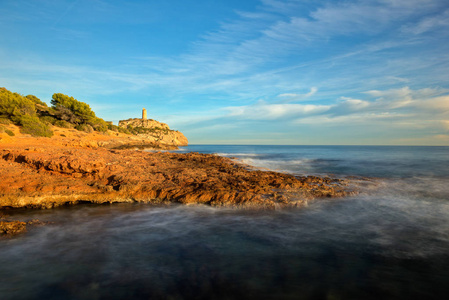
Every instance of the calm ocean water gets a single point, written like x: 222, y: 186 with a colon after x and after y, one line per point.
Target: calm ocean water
x: 389, y: 242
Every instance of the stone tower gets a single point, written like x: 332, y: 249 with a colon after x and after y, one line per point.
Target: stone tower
x: 144, y: 114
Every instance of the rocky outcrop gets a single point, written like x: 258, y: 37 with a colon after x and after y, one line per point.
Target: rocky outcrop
x: 156, y: 140
x: 145, y: 123
x: 11, y: 228
x: 155, y: 133
x: 48, y: 176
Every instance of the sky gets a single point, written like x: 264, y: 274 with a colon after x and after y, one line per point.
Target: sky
x: 293, y: 72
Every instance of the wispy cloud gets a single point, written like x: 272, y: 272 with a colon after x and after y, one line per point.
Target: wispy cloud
x: 265, y: 111
x: 421, y: 108
x: 438, y: 21
x: 225, y: 60
x: 292, y: 97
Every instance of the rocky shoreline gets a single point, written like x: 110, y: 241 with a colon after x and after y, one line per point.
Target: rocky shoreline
x: 47, y: 172
x: 46, y: 177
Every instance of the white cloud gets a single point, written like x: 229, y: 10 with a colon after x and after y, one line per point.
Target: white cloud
x: 291, y: 97
x: 402, y: 108
x: 424, y: 99
x: 266, y: 111
x: 349, y: 105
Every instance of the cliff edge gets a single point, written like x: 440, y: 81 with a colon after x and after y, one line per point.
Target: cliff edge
x: 149, y: 132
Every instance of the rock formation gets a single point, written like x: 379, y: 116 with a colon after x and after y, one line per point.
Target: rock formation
x: 45, y: 176
x: 152, y: 132
x: 145, y: 123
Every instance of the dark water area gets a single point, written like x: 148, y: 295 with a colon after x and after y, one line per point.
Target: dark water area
x: 389, y: 242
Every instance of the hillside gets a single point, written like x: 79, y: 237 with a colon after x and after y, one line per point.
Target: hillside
x: 71, y: 121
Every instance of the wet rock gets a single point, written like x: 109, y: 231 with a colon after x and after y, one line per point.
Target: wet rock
x: 10, y: 228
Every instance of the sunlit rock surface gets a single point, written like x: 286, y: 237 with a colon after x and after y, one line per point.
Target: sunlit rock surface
x: 44, y: 174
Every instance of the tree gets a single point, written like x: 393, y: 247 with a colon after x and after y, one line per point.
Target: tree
x: 22, y: 112
x: 82, y: 111
x: 36, y: 100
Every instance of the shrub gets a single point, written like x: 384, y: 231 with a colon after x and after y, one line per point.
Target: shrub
x: 84, y: 127
x: 63, y: 124
x: 123, y: 130
x: 99, y: 124
x: 4, y: 120
x: 48, y: 119
x: 32, y: 125
x: 9, y: 132
x: 143, y: 130
x: 113, y: 127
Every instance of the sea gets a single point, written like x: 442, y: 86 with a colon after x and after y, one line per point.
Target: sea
x: 389, y: 241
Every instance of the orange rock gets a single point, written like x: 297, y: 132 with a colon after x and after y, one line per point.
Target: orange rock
x: 45, y: 173
x: 12, y: 227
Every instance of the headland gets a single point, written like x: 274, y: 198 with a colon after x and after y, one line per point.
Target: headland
x: 75, y: 166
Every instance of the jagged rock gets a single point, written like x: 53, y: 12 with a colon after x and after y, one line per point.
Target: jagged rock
x: 145, y: 123
x: 57, y: 175
x: 12, y: 227
x: 159, y: 133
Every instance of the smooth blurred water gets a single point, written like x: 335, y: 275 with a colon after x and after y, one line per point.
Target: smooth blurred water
x: 389, y: 242
x: 377, y: 161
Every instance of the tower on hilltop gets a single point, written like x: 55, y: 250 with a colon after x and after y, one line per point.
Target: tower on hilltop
x: 144, y: 114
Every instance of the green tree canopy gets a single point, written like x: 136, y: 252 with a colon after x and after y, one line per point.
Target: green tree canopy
x: 35, y: 117
x: 13, y: 104
x: 35, y: 100
x: 22, y: 112
x: 80, y: 110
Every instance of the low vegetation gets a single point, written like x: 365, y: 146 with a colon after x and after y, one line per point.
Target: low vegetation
x: 143, y: 130
x: 7, y: 131
x: 21, y: 110
x: 35, y: 117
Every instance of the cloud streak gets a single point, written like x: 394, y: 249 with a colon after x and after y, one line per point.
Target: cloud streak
x: 427, y: 108
x: 292, y: 97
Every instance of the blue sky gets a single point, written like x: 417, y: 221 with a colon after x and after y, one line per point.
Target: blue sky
x: 372, y: 72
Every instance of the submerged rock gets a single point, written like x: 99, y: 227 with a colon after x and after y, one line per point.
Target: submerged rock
x: 11, y: 228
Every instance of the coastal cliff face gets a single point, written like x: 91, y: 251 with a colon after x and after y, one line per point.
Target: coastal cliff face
x: 145, y: 123
x: 154, y: 132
